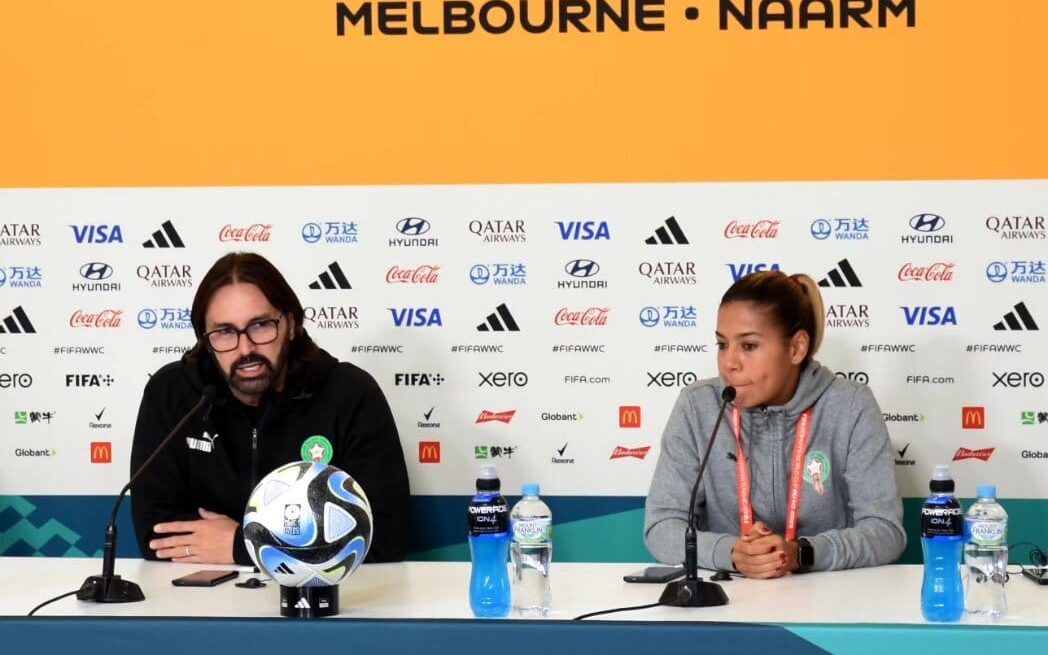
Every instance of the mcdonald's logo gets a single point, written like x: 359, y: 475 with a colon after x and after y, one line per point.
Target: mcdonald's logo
x: 101, y: 452
x: 429, y: 452
x: 973, y: 418
x: 629, y: 416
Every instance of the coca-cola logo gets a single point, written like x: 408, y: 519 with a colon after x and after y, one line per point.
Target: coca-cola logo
x: 967, y: 453
x: 254, y: 232
x: 596, y: 316
x: 424, y: 274
x: 937, y: 272
x: 107, y: 318
x: 763, y: 229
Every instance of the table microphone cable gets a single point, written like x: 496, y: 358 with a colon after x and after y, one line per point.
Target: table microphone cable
x: 48, y: 602
x: 617, y: 609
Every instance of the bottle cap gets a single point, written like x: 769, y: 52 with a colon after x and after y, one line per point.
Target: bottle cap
x: 986, y: 491
x: 488, y: 479
x: 942, y: 481
x: 530, y: 489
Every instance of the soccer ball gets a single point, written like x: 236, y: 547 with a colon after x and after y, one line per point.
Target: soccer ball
x: 307, y: 525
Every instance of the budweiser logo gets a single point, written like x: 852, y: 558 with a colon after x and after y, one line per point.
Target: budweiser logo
x: 966, y: 453
x: 621, y: 452
x: 425, y: 274
x: 107, y: 318
x: 937, y: 272
x: 256, y: 232
x: 591, y: 316
x: 765, y: 229
x: 501, y: 417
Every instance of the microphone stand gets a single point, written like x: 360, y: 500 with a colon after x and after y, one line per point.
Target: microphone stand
x: 693, y: 591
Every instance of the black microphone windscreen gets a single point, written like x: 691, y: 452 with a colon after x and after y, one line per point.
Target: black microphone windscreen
x: 728, y: 394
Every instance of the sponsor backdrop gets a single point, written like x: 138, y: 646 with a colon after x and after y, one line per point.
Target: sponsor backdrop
x: 520, y: 221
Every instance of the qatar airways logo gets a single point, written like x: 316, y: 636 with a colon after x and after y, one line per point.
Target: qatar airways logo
x: 592, y: 316
x: 762, y: 229
x: 107, y: 318
x: 424, y: 274
x: 937, y: 272
x: 256, y: 232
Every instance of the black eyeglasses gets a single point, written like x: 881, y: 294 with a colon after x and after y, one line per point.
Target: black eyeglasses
x: 259, y: 333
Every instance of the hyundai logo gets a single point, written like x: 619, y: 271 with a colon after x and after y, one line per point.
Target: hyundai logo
x: 479, y: 274
x: 147, y: 319
x: 649, y: 317
x: 581, y: 268
x: 821, y: 229
x: 927, y: 222
x: 96, y: 271
x: 997, y: 272
x: 413, y: 226
x: 311, y: 232
x: 3, y: 277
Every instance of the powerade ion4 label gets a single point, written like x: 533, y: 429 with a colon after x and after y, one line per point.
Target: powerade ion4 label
x: 946, y: 520
x: 488, y: 515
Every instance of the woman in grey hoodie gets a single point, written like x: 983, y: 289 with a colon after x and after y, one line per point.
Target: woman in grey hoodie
x: 811, y: 448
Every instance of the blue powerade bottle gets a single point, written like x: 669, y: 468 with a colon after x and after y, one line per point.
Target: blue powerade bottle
x: 489, y: 539
x: 942, y: 540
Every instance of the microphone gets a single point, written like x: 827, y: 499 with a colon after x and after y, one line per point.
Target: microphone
x: 692, y: 591
x: 111, y: 588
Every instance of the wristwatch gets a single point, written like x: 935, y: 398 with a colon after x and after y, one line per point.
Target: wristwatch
x: 805, y: 555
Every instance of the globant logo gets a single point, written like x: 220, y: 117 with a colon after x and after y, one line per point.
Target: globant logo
x: 841, y: 229
x: 670, y: 316
x: 499, y: 274
x: 165, y: 318
x: 332, y: 232
x: 1034, y: 454
x: 1019, y: 272
x: 1015, y: 228
x: 21, y: 277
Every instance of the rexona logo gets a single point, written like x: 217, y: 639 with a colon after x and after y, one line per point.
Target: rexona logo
x: 589, y: 317
x: 501, y: 379
x: 101, y: 452
x: 500, y: 417
x: 669, y: 273
x: 629, y: 416
x: 166, y: 276
x: 20, y: 234
x: 901, y: 459
x: 841, y: 229
x: 671, y: 378
x: 842, y: 276
x: 499, y: 231
x: 413, y: 230
x: 1019, y: 319
x: 418, y: 379
x: 17, y: 322
x: 670, y: 234
x: 967, y: 453
x: 1021, y: 272
x: 583, y: 230
x: 973, y: 418
x: 762, y: 229
x: 1018, y: 379
x: 931, y: 316
x: 927, y: 229
x: 936, y: 272
x: 423, y: 274
x: 84, y: 380
x: 848, y: 316
x: 622, y: 452
x: 739, y: 271
x: 107, y: 318
x: 499, y: 321
x: 254, y: 233
x: 332, y: 232
x: 416, y: 317
x: 332, y: 317
x: 429, y: 452
x: 1014, y: 228
x: 97, y: 234
x: 670, y: 316
x: 166, y: 237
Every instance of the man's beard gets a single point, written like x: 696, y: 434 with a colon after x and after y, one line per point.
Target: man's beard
x: 256, y: 386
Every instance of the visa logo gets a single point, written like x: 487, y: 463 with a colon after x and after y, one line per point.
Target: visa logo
x: 583, y: 230
x: 97, y: 233
x: 739, y: 271
x: 934, y: 315
x: 415, y: 317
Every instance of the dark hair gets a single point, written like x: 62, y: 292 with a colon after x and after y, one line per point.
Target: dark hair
x: 250, y: 268
x: 793, y: 302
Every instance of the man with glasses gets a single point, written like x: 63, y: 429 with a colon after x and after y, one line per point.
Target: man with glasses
x: 280, y: 398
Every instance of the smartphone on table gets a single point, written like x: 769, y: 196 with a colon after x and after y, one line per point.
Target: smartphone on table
x: 655, y: 574
x: 206, y: 578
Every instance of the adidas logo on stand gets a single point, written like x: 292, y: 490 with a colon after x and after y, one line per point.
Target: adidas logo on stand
x: 332, y: 278
x: 500, y: 321
x: 302, y: 604
x: 1020, y: 319
x: 17, y: 323
x: 842, y: 276
x: 165, y: 237
x: 674, y: 235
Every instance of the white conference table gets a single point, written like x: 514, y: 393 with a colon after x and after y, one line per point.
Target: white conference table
x: 836, y: 612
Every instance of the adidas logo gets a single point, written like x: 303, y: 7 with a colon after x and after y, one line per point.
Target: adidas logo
x: 332, y: 278
x: 17, y: 323
x: 165, y: 237
x: 674, y: 235
x: 302, y: 604
x: 283, y: 568
x: 500, y: 321
x: 842, y: 276
x: 1020, y: 319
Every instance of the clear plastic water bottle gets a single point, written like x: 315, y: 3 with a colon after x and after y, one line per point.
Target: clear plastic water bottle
x: 986, y: 555
x: 942, y: 540
x: 532, y: 552
x: 489, y: 590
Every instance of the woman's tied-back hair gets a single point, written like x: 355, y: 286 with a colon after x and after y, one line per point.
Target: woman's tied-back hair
x: 793, y: 302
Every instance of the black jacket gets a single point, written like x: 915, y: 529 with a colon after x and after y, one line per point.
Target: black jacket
x: 321, y: 397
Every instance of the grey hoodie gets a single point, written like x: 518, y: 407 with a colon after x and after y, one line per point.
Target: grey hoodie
x: 856, y: 522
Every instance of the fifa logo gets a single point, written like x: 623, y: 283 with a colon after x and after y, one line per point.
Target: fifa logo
x: 293, y: 519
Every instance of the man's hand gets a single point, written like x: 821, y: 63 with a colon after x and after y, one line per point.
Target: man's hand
x: 763, y: 554
x: 207, y: 541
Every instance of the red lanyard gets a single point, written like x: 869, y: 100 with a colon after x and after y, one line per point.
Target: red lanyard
x: 742, y: 472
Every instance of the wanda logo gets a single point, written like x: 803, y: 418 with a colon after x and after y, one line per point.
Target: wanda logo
x: 425, y: 274
x: 252, y: 233
x: 937, y: 272
x: 593, y: 316
x: 763, y: 229
x: 107, y: 318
